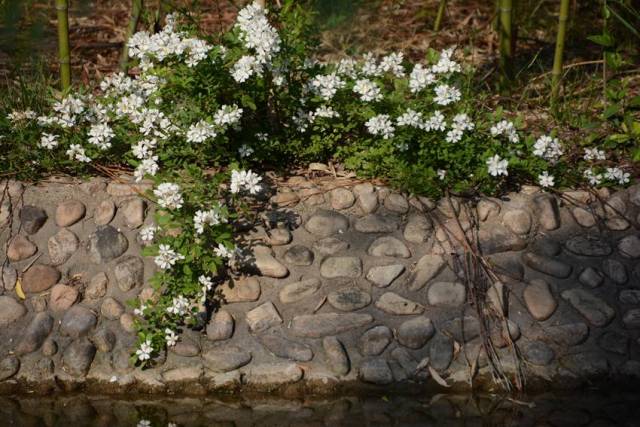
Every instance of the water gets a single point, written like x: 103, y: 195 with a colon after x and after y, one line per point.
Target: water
x: 577, y: 409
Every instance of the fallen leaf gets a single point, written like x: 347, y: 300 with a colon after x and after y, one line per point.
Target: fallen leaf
x: 19, y: 290
x: 436, y: 376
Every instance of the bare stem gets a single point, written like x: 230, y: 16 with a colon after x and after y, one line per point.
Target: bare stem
x: 556, y: 74
x: 136, y: 10
x: 62, y: 9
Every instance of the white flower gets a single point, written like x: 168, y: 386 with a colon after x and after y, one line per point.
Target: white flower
x: 222, y: 251
x: 441, y: 173
x: 245, y: 67
x: 367, y: 90
x: 180, y: 306
x: 445, y: 64
x: 402, y: 146
x: 18, y: 116
x: 167, y: 257
x: 144, y: 423
x: 100, y: 135
x: 245, y: 181
x: 206, y: 282
x: 446, y: 94
x: 410, y: 118
x: 145, y: 350
x: 420, y: 78
x: 148, y: 166
x: 507, y: 129
x: 325, y: 112
x: 202, y: 218
x: 128, y: 105
x: 48, y: 141
x: 256, y: 32
x: 497, y: 166
x: 548, y: 148
x: 392, y: 63
x: 227, y: 115
x: 201, y: 131
x: 594, y: 154
x: 463, y: 122
x: 435, y: 122
x: 454, y: 135
x: 196, y: 51
x: 347, y: 67
x: 617, y: 174
x: 369, y: 66
x: 170, y: 337
x: 327, y: 86
x: 168, y: 195
x: 144, y: 148
x: 245, y: 151
x: 593, y: 178
x: 140, y: 310
x: 76, y: 152
x: 546, y: 180
x: 147, y: 233
x: 380, y: 125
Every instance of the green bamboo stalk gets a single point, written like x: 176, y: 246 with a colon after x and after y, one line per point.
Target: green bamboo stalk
x: 440, y: 15
x: 556, y: 73
x: 136, y: 10
x: 62, y: 9
x: 506, y: 42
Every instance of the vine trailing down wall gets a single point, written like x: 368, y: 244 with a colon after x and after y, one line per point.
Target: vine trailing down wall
x: 199, y: 114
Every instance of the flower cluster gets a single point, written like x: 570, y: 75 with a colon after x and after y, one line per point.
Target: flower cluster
x: 168, y: 195
x: 245, y: 181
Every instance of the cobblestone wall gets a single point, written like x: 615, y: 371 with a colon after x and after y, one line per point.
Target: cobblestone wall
x: 350, y: 287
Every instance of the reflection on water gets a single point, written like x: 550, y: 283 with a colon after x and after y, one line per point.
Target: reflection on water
x: 578, y: 409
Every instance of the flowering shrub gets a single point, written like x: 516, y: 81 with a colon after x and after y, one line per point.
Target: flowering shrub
x: 260, y: 98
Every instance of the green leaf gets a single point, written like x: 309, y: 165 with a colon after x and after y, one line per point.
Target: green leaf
x: 611, y: 110
x: 602, y: 39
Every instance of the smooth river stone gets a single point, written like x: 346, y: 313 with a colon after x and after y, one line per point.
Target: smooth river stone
x: 389, y: 246
x: 334, y: 267
x: 337, y: 357
x: 539, y: 300
x: 62, y: 246
x: 267, y: 265
x: 569, y: 334
x: 225, y: 358
x: 428, y: 267
x: 383, y: 276
x: 416, y: 332
x: 375, y: 340
x: 297, y: 291
x: 246, y: 289
x: 279, y: 346
x: 325, y: 324
x: 587, y: 245
x: 325, y: 223
x: 349, y: 299
x: 547, y: 265
x: 393, y: 303
x: 374, y: 223
x: 594, y: 309
x: 263, y: 317
x: 375, y: 371
x: 447, y: 294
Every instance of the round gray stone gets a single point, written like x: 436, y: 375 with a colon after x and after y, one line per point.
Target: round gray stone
x: 447, y: 294
x: 389, y: 246
x: 375, y: 371
x: 344, y: 266
x: 518, y: 221
x: 35, y: 334
x: 20, y: 248
x: 569, y: 334
x: 62, y: 246
x: 221, y: 326
x: 77, y: 358
x: 10, y: 310
x: 539, y: 300
x: 77, y: 321
x: 69, y: 212
x: 629, y: 246
x: 298, y: 255
x: 111, y: 308
x: 282, y: 347
x: 594, y: 309
x: 341, y: 198
x: 588, y: 245
x: 393, y: 303
x: 337, y: 357
x: 226, y: 358
x: 416, y: 332
x: 325, y: 223
x: 349, y: 299
x: 107, y: 244
x: 330, y: 245
x: 9, y: 366
x: 104, y: 212
x: 104, y: 339
x: 32, y: 218
x: 375, y: 223
x: 129, y: 273
x: 591, y: 277
x: 298, y: 291
x: 375, y: 340
x: 383, y: 276
x: 396, y: 203
x: 538, y: 353
x: 615, y: 270
x: 133, y: 212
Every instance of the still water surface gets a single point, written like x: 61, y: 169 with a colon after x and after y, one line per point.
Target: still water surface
x: 593, y: 408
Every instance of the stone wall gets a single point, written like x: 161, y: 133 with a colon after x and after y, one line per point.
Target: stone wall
x: 355, y: 287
